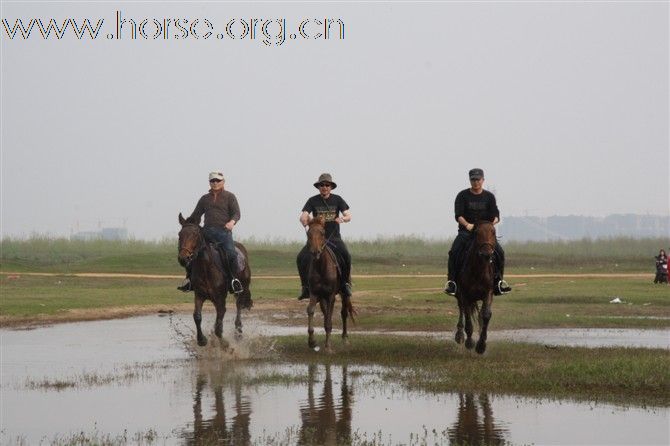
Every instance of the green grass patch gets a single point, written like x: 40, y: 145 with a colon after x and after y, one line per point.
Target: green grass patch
x: 618, y: 375
x: 412, y: 303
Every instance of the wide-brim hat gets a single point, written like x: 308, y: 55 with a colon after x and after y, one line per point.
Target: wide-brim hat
x: 325, y: 178
x: 215, y: 176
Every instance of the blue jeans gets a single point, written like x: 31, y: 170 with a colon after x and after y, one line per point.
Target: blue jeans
x: 225, y: 239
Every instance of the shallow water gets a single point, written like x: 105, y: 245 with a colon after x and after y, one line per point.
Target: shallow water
x: 141, y: 374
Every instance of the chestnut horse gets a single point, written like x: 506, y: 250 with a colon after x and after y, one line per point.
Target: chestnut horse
x: 324, y: 283
x: 476, y: 284
x: 209, y: 278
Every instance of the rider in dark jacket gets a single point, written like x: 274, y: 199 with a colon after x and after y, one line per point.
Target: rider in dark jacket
x: 473, y: 205
x: 221, y: 212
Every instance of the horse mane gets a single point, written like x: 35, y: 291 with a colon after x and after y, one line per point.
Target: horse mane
x: 320, y: 221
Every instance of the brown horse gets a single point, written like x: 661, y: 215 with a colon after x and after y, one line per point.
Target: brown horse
x: 476, y: 284
x: 209, y: 278
x: 324, y: 283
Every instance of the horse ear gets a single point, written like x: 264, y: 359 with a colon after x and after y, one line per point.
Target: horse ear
x: 181, y: 219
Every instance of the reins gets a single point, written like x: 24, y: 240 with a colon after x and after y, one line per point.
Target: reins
x: 200, y: 246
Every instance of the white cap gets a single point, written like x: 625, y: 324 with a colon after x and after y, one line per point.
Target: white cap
x: 215, y: 176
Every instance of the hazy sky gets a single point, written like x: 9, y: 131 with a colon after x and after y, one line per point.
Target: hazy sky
x: 564, y: 105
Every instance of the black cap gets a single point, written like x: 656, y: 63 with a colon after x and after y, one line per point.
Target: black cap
x: 476, y: 174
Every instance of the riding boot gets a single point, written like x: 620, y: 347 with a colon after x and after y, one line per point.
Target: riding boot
x: 500, y: 286
x: 450, y: 287
x: 302, y: 262
x: 235, y: 284
x: 345, y: 289
x: 186, y: 284
x: 304, y: 293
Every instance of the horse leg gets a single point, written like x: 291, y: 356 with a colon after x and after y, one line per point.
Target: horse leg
x: 197, y: 318
x: 310, y: 322
x: 220, y: 305
x: 469, y: 343
x: 238, y: 319
x: 327, y: 309
x: 486, y: 317
x: 459, y: 326
x: 345, y: 313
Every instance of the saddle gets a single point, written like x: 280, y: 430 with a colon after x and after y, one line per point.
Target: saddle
x: 241, y: 259
x: 332, y: 251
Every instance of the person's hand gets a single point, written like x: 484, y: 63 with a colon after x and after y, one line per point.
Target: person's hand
x: 230, y: 225
x: 470, y: 227
x: 339, y: 220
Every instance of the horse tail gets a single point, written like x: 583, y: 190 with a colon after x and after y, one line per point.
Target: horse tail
x: 350, y: 309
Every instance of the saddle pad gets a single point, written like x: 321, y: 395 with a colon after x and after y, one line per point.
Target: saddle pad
x: 241, y: 260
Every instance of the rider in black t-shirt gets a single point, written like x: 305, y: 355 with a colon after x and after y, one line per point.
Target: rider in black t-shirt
x: 330, y: 206
x: 473, y: 205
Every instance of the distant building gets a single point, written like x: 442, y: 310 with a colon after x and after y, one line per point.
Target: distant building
x: 575, y: 227
x: 86, y: 235
x: 103, y: 234
x: 114, y: 234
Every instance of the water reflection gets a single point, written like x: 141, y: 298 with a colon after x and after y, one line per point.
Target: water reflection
x: 182, y: 400
x: 215, y: 428
x: 326, y: 421
x: 475, y: 423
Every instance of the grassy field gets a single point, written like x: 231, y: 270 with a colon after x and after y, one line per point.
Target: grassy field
x: 399, y: 303
x: 412, y: 303
x: 398, y: 255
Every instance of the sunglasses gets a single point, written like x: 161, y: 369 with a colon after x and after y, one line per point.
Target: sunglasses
x: 325, y: 185
x: 215, y: 180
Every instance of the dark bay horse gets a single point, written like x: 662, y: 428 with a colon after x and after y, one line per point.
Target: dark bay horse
x: 476, y: 284
x: 324, y: 283
x: 209, y: 278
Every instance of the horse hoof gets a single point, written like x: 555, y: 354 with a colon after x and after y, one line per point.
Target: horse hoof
x: 346, y: 341
x: 312, y: 345
x: 459, y: 337
x: 202, y: 341
x: 469, y: 343
x: 481, y: 347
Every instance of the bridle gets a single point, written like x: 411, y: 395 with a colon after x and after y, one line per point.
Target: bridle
x: 480, y: 247
x: 200, y: 245
x: 320, y: 250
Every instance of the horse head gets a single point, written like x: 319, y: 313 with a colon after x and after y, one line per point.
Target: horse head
x: 485, y: 239
x: 316, y: 236
x: 190, y: 240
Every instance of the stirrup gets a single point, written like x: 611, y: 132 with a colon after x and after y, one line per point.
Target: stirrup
x: 236, y: 286
x: 503, y: 287
x: 448, y: 288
